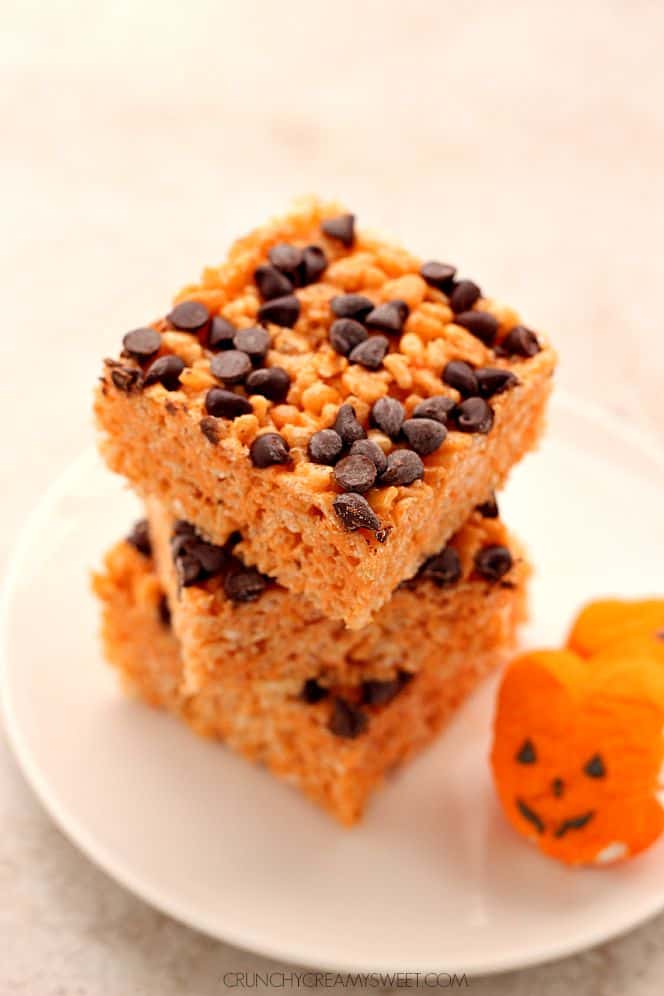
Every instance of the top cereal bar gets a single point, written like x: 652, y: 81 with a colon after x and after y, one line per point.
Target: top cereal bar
x: 339, y: 402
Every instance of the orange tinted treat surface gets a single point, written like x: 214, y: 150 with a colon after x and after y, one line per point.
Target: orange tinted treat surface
x: 335, y: 744
x: 338, y: 401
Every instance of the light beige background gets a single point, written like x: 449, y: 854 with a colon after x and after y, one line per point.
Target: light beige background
x: 523, y: 141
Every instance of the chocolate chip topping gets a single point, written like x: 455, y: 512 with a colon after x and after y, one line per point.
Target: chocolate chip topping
x: 314, y: 263
x: 355, y: 473
x: 226, y: 404
x: 371, y: 353
x: 341, y: 228
x: 347, y: 720
x: 142, y: 343
x: 253, y: 341
x: 231, y: 366
x: 387, y: 414
x: 444, y: 568
x: 347, y: 425
x: 404, y: 467
x: 271, y: 282
x: 244, y: 584
x: 271, y: 382
x: 287, y: 259
x: 222, y: 333
x: 283, y: 311
x: 189, y: 316
x: 480, y: 324
x: 355, y: 306
x: 389, y: 317
x: 188, y: 570
x: 139, y: 537
x: 472, y: 415
x: 211, y: 557
x: 424, y: 435
x: 492, y: 562
x: 355, y: 512
x: 464, y: 296
x: 269, y: 449
x: 379, y: 693
x: 165, y: 370
x: 164, y: 611
x: 489, y: 508
x: 126, y: 379
x: 520, y: 341
x: 345, y: 334
x: 312, y: 692
x: 325, y: 446
x: 438, y: 275
x: 494, y: 380
x: 210, y: 429
x: 462, y: 377
x: 368, y: 448
x: 438, y: 408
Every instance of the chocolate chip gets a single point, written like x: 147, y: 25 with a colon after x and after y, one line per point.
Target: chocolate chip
x: 464, y: 296
x: 253, y: 341
x: 389, y: 317
x: 341, y: 228
x: 271, y: 382
x: 355, y: 306
x: 404, y: 467
x: 325, y: 446
x: 345, y: 334
x: 520, y: 341
x: 480, y: 324
x: 142, y: 343
x: 370, y: 354
x: 368, y: 448
x: 226, y: 404
x: 492, y: 562
x: 494, y: 380
x: 424, y: 435
x: 126, y: 379
x: 379, y: 693
x: 287, y: 259
x: 438, y: 275
x: 444, y: 568
x: 231, y: 366
x: 355, y: 512
x: 211, y: 557
x: 355, y: 473
x: 438, y: 408
x: 314, y: 263
x: 139, y: 537
x: 222, y: 333
x: 472, y: 415
x: 461, y: 376
x: 183, y: 528
x: 188, y: 569
x: 165, y: 370
x: 209, y: 428
x: 387, y: 414
x: 312, y: 692
x: 347, y: 425
x: 269, y: 449
x: 244, y: 584
x: 271, y: 283
x: 347, y: 720
x: 189, y: 316
x: 283, y: 311
x: 164, y: 611
x: 489, y: 508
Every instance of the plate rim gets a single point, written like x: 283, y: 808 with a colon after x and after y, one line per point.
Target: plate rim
x: 635, y: 436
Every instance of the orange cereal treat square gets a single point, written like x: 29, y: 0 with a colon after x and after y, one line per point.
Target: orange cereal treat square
x: 342, y: 404
x: 333, y: 733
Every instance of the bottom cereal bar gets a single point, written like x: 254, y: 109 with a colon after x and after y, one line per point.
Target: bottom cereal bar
x: 336, y: 736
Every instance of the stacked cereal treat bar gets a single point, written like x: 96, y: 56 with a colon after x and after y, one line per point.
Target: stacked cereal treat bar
x: 315, y: 429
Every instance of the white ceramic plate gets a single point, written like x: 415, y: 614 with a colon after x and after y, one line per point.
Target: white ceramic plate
x: 434, y: 879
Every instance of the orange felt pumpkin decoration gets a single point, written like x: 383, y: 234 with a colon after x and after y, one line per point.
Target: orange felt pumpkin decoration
x: 578, y: 752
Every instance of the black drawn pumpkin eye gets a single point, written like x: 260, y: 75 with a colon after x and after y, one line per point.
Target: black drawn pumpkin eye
x: 594, y: 768
x: 526, y: 753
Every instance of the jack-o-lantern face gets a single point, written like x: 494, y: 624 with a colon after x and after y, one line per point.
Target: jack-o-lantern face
x: 578, y: 752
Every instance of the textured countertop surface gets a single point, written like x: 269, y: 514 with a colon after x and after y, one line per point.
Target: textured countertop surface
x: 524, y: 142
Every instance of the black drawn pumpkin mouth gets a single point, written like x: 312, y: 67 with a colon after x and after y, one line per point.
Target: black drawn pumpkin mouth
x: 563, y: 828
